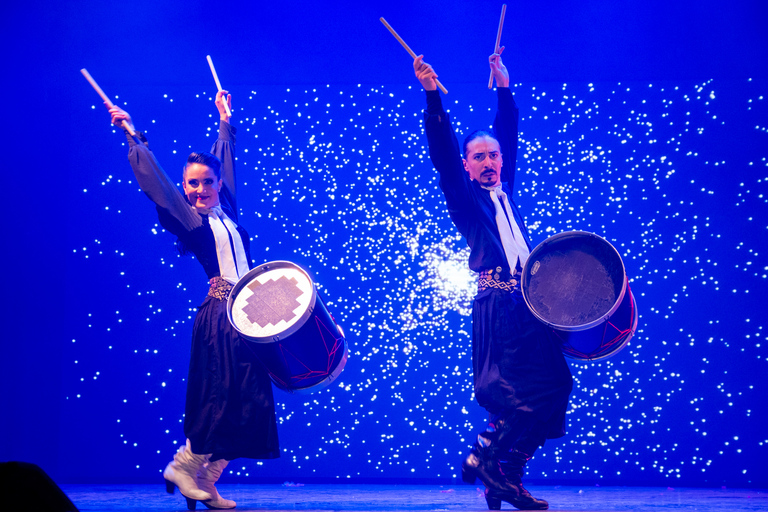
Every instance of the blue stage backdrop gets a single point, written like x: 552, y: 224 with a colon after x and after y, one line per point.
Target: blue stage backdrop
x: 642, y: 121
x: 338, y: 179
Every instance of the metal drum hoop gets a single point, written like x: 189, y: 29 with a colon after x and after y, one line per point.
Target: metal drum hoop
x: 532, y: 266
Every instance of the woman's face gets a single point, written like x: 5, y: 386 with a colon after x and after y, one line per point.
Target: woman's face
x: 201, y: 186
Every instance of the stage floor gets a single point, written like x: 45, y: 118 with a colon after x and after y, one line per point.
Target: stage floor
x: 314, y: 497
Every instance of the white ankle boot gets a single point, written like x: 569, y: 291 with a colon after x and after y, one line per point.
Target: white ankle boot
x: 182, y: 471
x: 208, y: 475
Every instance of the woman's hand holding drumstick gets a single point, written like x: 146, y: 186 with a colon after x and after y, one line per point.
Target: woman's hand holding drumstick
x: 224, y: 104
x: 128, y: 126
x: 498, y: 69
x: 121, y: 118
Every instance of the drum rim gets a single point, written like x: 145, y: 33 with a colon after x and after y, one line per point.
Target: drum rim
x: 526, y: 278
x: 246, y: 278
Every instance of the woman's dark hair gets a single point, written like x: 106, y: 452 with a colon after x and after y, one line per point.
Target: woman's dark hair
x: 205, y: 158
x: 476, y: 135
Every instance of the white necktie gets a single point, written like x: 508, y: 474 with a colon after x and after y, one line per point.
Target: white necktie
x: 511, y: 237
x: 229, y: 246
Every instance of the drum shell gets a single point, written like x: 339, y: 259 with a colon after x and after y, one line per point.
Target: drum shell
x: 310, y: 358
x: 305, y: 356
x: 604, y: 340
x: 576, y: 284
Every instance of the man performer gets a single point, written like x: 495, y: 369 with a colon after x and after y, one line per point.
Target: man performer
x: 520, y: 375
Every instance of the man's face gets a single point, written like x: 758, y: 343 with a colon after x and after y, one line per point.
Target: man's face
x: 483, y: 161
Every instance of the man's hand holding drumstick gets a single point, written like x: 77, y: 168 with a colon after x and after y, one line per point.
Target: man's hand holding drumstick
x: 498, y: 69
x: 425, y: 74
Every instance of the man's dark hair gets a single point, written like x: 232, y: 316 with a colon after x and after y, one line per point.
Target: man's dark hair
x: 476, y: 135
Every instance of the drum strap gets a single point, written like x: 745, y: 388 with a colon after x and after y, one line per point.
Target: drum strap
x: 511, y: 238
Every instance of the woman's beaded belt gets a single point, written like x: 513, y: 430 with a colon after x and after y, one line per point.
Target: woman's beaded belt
x: 494, y: 279
x: 220, y: 288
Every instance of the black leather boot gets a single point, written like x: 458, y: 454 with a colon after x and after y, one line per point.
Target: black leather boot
x: 513, y: 467
x: 483, y: 463
x: 521, y: 499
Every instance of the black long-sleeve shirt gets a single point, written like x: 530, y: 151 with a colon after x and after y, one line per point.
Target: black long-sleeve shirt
x: 469, y: 205
x: 175, y: 213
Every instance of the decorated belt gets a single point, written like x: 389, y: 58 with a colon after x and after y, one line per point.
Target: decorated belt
x: 220, y: 288
x: 493, y: 279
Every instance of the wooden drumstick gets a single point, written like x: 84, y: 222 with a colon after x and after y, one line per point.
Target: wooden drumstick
x: 218, y: 84
x: 105, y: 98
x: 407, y: 48
x: 498, y: 40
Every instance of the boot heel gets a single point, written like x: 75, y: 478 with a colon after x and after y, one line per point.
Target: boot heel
x: 170, y: 487
x: 191, y: 504
x: 493, y: 503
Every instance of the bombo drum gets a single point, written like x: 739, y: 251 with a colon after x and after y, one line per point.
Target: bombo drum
x: 276, y: 307
x: 576, y: 284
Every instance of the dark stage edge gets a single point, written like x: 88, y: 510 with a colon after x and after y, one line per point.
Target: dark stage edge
x: 368, y: 498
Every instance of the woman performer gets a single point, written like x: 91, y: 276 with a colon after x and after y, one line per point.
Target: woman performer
x: 520, y: 375
x: 229, y: 410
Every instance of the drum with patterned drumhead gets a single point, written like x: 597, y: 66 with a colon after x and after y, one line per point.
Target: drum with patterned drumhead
x: 276, y: 307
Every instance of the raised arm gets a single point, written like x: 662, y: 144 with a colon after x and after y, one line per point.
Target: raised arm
x: 152, y: 179
x: 444, y: 149
x: 507, y: 115
x: 224, y: 148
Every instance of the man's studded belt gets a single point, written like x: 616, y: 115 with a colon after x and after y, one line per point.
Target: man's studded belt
x: 493, y: 279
